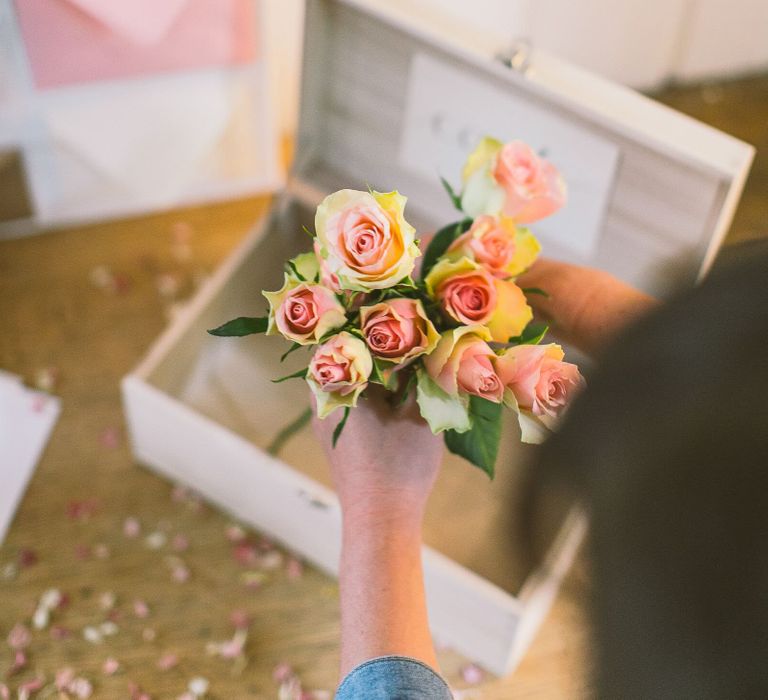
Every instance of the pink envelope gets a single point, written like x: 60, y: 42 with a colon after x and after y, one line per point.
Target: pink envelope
x: 78, y: 41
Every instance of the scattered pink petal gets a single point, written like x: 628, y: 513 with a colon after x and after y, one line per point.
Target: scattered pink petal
x: 136, y: 693
x: 179, y: 493
x: 64, y: 676
x: 180, y: 543
x: 92, y: 634
x: 167, y: 661
x: 81, y: 688
x: 472, y: 674
x: 82, y: 509
x: 253, y: 579
x: 111, y: 438
x: 156, y: 539
x: 148, y: 634
x: 107, y: 600
x: 186, y: 696
x: 244, y: 554
x: 111, y: 666
x: 82, y: 552
x: 108, y: 628
x: 19, y: 637
x: 140, y: 609
x: 294, y: 569
x: 282, y: 672
x: 46, y: 379
x: 240, y: 619
x: 180, y: 573
x: 235, y: 533
x: 131, y: 527
x: 121, y: 283
x: 19, y: 662
x: 230, y: 648
x: 27, y: 557
x: 59, y: 632
x: 198, y: 687
x: 181, y: 232
x: 26, y: 688
x: 101, y: 551
x: 270, y: 560
x: 5, y: 692
x: 101, y: 277
x: 168, y: 284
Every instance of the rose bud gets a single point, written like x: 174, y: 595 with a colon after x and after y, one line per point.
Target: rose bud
x: 303, y: 312
x: 469, y: 294
x: 511, y: 179
x: 365, y: 240
x: 497, y: 244
x: 464, y: 362
x: 398, y: 330
x: 540, y: 381
x: 338, y: 372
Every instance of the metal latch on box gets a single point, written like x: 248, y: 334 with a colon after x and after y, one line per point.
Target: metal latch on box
x: 517, y: 57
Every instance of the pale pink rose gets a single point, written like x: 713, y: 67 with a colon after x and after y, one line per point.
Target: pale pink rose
x: 398, y: 330
x: 338, y: 372
x: 469, y: 297
x: 464, y: 362
x: 533, y: 187
x: 541, y: 382
x: 490, y: 242
x: 365, y: 239
x: 303, y: 312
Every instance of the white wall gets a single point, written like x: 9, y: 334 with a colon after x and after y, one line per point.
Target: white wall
x: 641, y: 43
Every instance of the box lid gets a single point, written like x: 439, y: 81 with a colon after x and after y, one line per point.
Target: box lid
x: 394, y: 96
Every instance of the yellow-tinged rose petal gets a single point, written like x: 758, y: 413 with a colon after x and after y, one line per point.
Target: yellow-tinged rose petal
x: 481, y: 157
x: 512, y: 313
x: 527, y: 249
x: 437, y: 359
x: 445, y: 268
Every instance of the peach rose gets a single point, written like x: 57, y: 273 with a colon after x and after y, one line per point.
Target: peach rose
x: 465, y: 290
x: 469, y: 294
x: 327, y: 278
x: 303, y: 312
x: 540, y: 381
x: 365, y: 240
x: 338, y: 372
x: 511, y: 179
x: 497, y: 244
x: 398, y: 330
x: 464, y: 362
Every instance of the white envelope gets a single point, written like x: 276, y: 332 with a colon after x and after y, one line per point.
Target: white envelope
x: 135, y: 146
x: 26, y: 420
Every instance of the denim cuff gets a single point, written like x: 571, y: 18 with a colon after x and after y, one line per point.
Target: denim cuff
x: 393, y: 678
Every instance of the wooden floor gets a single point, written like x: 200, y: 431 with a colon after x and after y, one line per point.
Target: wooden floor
x: 69, y: 531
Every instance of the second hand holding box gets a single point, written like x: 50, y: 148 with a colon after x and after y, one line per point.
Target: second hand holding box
x: 390, y: 100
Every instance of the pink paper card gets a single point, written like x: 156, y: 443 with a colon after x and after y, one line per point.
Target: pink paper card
x: 79, y: 41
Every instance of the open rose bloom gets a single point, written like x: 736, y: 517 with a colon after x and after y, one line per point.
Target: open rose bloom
x: 460, y: 338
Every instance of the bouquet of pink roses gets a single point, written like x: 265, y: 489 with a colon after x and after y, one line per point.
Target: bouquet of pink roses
x: 460, y: 334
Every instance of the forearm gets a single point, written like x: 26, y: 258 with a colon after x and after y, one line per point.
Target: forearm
x: 383, y: 606
x: 586, y: 307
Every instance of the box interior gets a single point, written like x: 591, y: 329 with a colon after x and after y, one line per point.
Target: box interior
x: 661, y: 214
x: 470, y: 518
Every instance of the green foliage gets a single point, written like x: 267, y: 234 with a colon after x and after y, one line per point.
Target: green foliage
x: 535, y: 290
x: 480, y: 444
x: 299, y: 374
x: 441, y: 242
x: 455, y: 198
x: 340, y: 426
x: 242, y: 326
x: 533, y: 334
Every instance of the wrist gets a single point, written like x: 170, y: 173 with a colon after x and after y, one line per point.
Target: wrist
x: 382, y: 515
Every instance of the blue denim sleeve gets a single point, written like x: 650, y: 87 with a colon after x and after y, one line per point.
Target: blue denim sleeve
x: 393, y: 678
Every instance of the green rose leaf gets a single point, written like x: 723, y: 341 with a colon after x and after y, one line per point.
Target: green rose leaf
x: 455, y: 198
x: 480, y: 444
x: 300, y: 374
x: 533, y: 334
x: 535, y: 290
x: 242, y: 326
x: 441, y: 410
x: 340, y: 426
x: 441, y: 242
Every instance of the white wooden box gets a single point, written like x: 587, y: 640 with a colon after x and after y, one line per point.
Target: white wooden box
x: 201, y: 410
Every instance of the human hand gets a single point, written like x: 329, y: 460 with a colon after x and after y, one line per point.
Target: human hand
x: 585, y: 307
x: 386, y: 460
